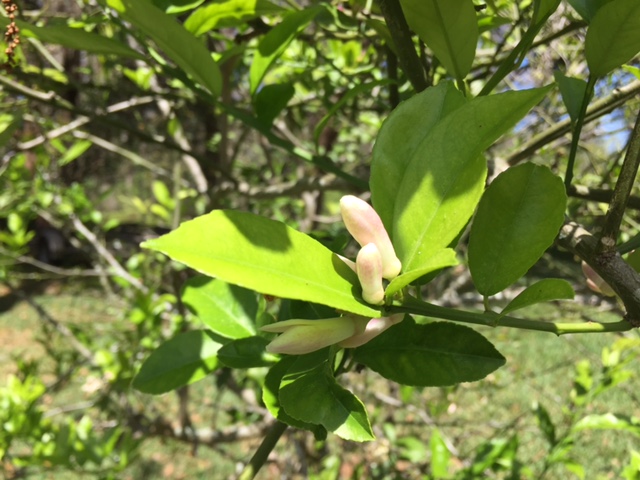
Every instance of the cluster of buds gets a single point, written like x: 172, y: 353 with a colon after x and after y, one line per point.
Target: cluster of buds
x: 12, y: 34
x: 375, y: 261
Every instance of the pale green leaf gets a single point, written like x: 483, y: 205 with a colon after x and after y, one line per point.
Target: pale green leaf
x: 229, y: 12
x: 572, y: 90
x: 440, y: 259
x: 545, y: 290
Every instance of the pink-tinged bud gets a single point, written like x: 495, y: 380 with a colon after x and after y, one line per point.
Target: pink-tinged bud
x: 306, y: 336
x: 365, y: 225
x: 595, y: 282
x: 369, y: 270
x: 370, y: 329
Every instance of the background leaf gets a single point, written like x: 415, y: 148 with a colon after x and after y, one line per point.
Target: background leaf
x: 398, y: 139
x: 431, y: 355
x: 445, y: 178
x: 179, y: 44
x: 184, y: 359
x: 587, y: 8
x: 518, y: 218
x: 227, y: 13
x: 246, y: 353
x: 613, y: 38
x: 449, y: 28
x: 266, y: 256
x: 544, y: 290
x: 572, y: 90
x: 310, y: 393
x: 227, y: 310
x: 271, y: 100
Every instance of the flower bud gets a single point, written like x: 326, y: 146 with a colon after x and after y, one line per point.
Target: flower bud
x: 370, y: 329
x: 369, y: 270
x: 306, y: 336
x: 595, y: 282
x: 365, y: 226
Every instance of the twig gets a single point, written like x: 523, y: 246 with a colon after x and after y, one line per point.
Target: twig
x: 621, y: 193
x: 262, y: 453
x: 406, y: 51
x: 600, y: 195
x: 67, y: 272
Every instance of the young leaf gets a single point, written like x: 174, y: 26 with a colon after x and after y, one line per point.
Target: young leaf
x: 310, y: 393
x: 398, y: 139
x: 180, y: 45
x: 445, y: 177
x: 449, y: 28
x: 572, y: 90
x: 441, y: 259
x: 184, y: 359
x: 543, y: 291
x: 264, y: 255
x: 613, y: 38
x: 276, y: 41
x: 246, y: 353
x: 227, y: 13
x: 228, y: 310
x: 518, y: 218
x: 432, y: 355
x: 439, y: 455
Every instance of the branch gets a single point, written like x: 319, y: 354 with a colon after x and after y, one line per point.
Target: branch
x: 599, y: 195
x: 406, y: 51
x: 262, y: 453
x: 621, y: 193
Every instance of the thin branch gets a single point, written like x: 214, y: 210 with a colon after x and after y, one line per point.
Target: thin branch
x: 66, y: 272
x: 600, y: 195
x: 405, y: 49
x: 262, y: 453
x: 621, y: 193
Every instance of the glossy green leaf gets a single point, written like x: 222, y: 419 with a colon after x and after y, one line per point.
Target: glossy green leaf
x: 310, y: 393
x: 276, y: 41
x: 445, y: 177
x: 271, y: 100
x: 182, y: 360
x: 613, y: 38
x: 246, y: 353
x: 545, y: 290
x: 271, y: 390
x: 609, y: 421
x: 264, y: 255
x: 228, y: 13
x: 398, y: 139
x: 587, y: 8
x: 431, y: 355
x: 572, y: 90
x: 180, y: 45
x: 441, y: 259
x: 449, y: 28
x: 75, y: 38
x: 228, y: 310
x: 518, y: 218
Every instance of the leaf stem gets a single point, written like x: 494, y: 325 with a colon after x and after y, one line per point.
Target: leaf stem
x: 262, y: 453
x: 577, y: 129
x: 621, y: 193
x: 489, y: 319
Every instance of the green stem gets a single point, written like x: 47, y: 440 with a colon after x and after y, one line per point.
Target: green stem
x: 575, y: 136
x: 488, y: 319
x: 621, y: 193
x: 262, y: 453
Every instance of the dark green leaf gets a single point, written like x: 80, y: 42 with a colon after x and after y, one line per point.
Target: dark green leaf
x: 271, y: 100
x: 449, y: 28
x: 587, y: 8
x: 180, y: 45
x: 246, y: 353
x: 613, y: 38
x: 310, y: 393
x: 572, y: 90
x: 431, y: 355
x: 227, y: 310
x: 264, y: 255
x: 518, y: 218
x: 399, y: 137
x: 228, y: 13
x: 545, y: 290
x: 186, y: 358
x: 545, y: 423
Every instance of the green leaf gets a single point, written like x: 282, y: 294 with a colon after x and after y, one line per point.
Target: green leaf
x: 609, y: 421
x: 572, y: 90
x: 266, y: 256
x: 177, y: 6
x: 246, y: 353
x: 74, y: 38
x: 310, y: 393
x: 489, y: 22
x: 270, y: 392
x: 186, y: 358
x: 8, y: 125
x: 518, y: 218
x: 439, y: 455
x: 180, y: 45
x: 276, y: 41
x: 587, y: 8
x: 271, y: 100
x: 75, y: 151
x: 545, y: 423
x: 545, y: 290
x: 228, y: 310
x: 613, y: 38
x: 449, y: 28
x: 228, y: 13
x: 398, y: 139
x: 432, y: 355
x: 441, y: 259
x: 445, y: 177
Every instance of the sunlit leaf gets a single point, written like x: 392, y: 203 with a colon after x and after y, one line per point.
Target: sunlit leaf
x: 545, y: 290
x: 441, y: 259
x: 226, y: 13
